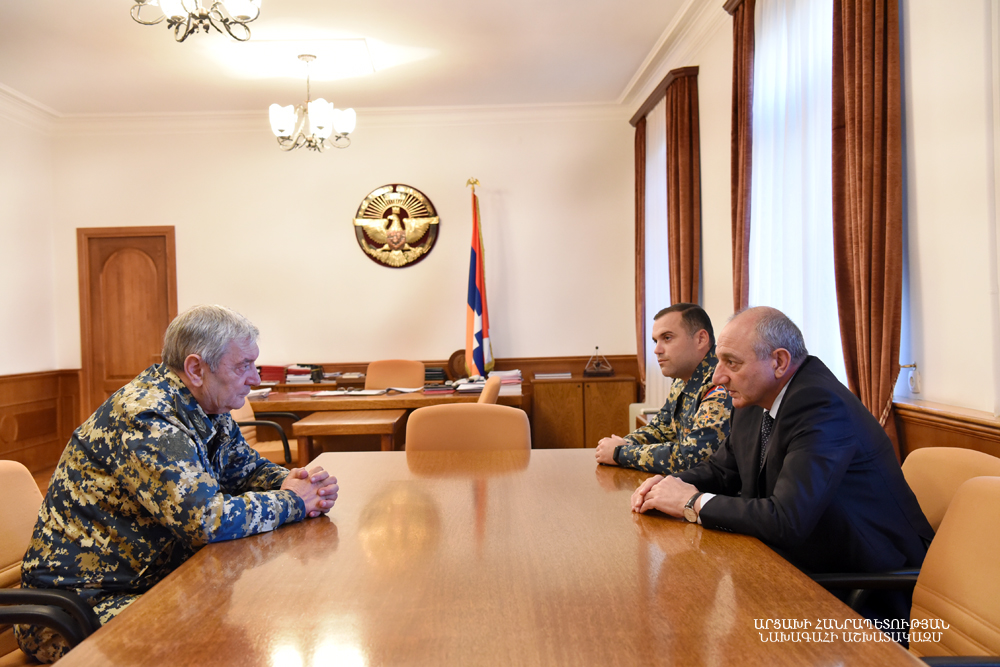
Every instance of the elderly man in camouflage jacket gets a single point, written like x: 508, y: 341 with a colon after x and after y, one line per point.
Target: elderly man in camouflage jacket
x: 695, y: 419
x: 159, y: 471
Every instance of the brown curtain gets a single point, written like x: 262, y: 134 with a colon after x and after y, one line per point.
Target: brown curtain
x: 683, y: 185
x: 867, y: 196
x: 640, y: 251
x: 741, y: 145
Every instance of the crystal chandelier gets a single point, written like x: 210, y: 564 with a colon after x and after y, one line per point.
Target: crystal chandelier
x: 187, y: 16
x: 314, y: 124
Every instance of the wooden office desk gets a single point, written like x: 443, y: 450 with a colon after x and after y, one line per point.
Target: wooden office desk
x: 510, y: 558
x: 280, y: 402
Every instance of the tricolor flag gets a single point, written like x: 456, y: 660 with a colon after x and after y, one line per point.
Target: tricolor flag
x: 478, y: 353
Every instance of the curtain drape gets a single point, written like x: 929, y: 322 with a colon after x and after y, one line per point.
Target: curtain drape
x: 640, y: 251
x: 867, y: 196
x: 791, y: 217
x: 683, y: 185
x: 742, y: 12
x: 656, y: 247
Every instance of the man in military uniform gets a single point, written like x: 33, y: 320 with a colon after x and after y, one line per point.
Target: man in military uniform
x: 157, y: 472
x: 695, y: 418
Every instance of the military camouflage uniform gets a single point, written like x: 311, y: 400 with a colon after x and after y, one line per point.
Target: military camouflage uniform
x: 144, y: 483
x: 688, y: 428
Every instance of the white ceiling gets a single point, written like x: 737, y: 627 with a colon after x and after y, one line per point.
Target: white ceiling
x: 86, y: 57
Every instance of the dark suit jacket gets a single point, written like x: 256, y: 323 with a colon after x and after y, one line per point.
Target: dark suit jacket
x: 831, y: 496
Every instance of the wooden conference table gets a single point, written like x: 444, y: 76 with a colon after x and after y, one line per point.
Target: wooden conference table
x: 502, y: 558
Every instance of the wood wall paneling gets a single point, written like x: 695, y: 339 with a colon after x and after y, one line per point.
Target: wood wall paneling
x: 927, y: 424
x: 38, y: 413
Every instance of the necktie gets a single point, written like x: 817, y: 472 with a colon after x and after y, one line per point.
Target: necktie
x: 765, y: 435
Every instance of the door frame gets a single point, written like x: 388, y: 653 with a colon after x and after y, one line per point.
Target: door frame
x: 83, y: 236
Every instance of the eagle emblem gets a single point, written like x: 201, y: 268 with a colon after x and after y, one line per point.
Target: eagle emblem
x: 396, y: 225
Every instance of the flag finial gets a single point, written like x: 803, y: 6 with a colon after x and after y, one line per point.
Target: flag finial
x: 473, y: 182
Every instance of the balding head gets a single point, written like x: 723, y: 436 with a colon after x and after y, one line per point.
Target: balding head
x: 759, y: 351
x: 771, y: 330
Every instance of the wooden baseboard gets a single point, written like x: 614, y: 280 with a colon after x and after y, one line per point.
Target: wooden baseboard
x: 38, y: 413
x: 927, y: 424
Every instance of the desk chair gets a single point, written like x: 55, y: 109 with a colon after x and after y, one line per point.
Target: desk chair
x: 958, y: 587
x: 276, y: 451
x: 62, y: 611
x: 490, y: 390
x: 394, y: 373
x: 935, y: 474
x: 467, y: 426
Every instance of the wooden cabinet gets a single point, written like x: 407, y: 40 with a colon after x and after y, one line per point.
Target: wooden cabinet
x: 580, y: 411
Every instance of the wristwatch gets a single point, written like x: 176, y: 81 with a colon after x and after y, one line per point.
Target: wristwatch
x: 690, y: 514
x: 618, y: 450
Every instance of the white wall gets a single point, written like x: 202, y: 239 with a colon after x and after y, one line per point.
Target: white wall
x: 27, y: 327
x: 270, y: 233
x: 947, y: 76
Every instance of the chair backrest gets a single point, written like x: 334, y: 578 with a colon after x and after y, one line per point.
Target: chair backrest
x: 246, y: 414
x: 19, y: 503
x: 467, y: 426
x: 935, y: 473
x: 394, y: 373
x: 491, y: 390
x: 959, y: 583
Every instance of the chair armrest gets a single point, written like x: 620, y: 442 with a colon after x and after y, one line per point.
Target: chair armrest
x: 963, y: 661
x: 894, y: 580
x: 63, y: 611
x: 274, y: 415
x: 277, y: 427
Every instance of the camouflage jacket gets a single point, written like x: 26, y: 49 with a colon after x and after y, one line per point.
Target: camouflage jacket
x: 143, y: 484
x: 688, y: 428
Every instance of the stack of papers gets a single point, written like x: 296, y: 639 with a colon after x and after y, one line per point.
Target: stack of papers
x: 510, y: 382
x: 554, y: 376
x: 470, y: 387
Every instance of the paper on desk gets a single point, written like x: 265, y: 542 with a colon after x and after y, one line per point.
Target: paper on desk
x: 349, y: 392
x: 259, y: 393
x: 405, y: 390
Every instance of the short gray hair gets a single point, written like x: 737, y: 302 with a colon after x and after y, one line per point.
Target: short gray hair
x: 775, y: 330
x: 206, y: 331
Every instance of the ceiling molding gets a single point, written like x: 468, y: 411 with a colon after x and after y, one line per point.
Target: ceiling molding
x: 24, y: 111
x: 244, y: 122
x: 683, y: 38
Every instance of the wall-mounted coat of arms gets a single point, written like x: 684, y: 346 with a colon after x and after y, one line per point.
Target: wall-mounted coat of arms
x: 396, y: 225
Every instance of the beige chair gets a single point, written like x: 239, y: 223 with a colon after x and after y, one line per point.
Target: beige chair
x: 394, y: 373
x: 467, y: 426
x: 959, y: 583
x: 491, y: 390
x: 19, y: 503
x: 276, y: 451
x: 935, y: 473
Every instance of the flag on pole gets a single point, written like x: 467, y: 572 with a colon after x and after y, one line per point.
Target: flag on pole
x: 478, y: 352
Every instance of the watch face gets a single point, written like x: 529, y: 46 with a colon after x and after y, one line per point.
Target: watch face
x: 689, y: 515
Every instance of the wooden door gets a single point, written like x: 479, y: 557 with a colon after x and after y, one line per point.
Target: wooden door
x: 128, y: 296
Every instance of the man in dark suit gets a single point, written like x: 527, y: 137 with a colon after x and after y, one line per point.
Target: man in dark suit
x: 806, y: 468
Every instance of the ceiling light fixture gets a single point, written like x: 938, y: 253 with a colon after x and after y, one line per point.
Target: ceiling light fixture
x: 187, y: 16
x: 315, y: 124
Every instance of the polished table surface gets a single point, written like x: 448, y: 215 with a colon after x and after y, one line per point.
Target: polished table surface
x: 281, y: 402
x: 503, y: 558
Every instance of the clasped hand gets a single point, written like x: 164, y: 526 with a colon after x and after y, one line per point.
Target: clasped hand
x: 605, y: 451
x: 316, y: 487
x: 667, y: 494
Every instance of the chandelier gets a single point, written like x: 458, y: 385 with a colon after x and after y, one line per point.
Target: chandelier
x: 314, y: 124
x: 187, y: 16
